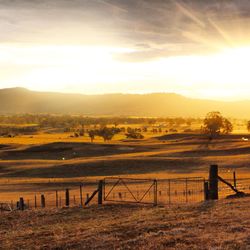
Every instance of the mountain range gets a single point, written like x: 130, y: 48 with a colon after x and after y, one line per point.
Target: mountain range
x: 21, y: 100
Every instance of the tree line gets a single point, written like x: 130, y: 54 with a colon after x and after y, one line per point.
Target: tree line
x: 69, y: 121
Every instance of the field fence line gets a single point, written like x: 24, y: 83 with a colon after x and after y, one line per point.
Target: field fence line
x: 126, y: 190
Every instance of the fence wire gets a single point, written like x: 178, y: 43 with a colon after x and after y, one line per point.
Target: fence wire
x: 126, y: 190
x: 184, y: 190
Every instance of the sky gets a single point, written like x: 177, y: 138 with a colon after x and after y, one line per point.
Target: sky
x: 197, y: 48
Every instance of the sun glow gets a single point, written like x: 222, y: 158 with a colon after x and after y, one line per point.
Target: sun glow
x: 93, y: 69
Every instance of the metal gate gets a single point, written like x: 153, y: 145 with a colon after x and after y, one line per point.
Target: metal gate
x: 130, y: 190
x: 148, y: 191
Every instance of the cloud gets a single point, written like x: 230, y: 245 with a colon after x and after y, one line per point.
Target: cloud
x: 158, y: 28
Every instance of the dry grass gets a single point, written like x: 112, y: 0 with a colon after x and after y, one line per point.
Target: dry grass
x: 74, y: 161
x: 52, y: 161
x: 215, y: 225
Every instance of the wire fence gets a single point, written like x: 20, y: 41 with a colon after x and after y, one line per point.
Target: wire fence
x: 182, y: 190
x: 53, y: 198
x: 124, y: 190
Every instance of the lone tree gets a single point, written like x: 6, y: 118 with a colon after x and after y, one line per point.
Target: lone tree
x: 215, y: 124
x: 106, y: 133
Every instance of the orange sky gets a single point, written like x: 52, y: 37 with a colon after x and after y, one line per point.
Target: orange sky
x: 199, y: 49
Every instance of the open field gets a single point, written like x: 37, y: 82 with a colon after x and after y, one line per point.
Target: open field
x: 212, y: 225
x: 163, y: 156
x: 56, y: 161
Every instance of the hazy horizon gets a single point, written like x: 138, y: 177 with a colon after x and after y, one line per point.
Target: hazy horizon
x: 196, y: 49
x: 128, y: 93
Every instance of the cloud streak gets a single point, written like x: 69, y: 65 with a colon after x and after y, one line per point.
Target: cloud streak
x: 164, y: 28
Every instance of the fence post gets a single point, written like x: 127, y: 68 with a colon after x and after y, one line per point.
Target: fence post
x: 155, y: 193
x: 235, y: 185
x: 81, y: 201
x: 213, y: 182
x: 42, y: 201
x: 21, y: 203
x: 35, y: 202
x: 67, y: 197
x: 206, y: 191
x: 100, y: 192
x: 169, y: 198
x: 186, y: 190
x: 56, y: 199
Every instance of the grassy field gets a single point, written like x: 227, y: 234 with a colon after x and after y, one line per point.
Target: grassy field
x: 212, y: 225
x: 43, y: 163
x: 49, y: 162
x: 47, y: 157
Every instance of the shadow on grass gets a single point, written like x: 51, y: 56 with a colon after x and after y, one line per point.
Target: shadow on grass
x: 59, y: 150
x: 212, y: 152
x: 110, y: 168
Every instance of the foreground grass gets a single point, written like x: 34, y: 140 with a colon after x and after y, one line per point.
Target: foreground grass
x: 215, y: 225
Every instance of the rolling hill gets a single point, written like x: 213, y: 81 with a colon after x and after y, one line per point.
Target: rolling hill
x: 20, y: 100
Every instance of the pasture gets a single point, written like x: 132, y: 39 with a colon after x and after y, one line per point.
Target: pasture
x: 49, y: 162
x: 214, y: 225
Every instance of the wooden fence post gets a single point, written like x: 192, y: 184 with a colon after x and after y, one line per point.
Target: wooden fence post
x: 56, y: 199
x: 206, y: 191
x: 186, y: 191
x: 169, y: 191
x: 21, y: 203
x: 234, y: 174
x: 42, y: 201
x: 100, y: 192
x: 67, y: 197
x: 213, y: 182
x: 35, y: 202
x: 81, y: 201
x: 155, y: 193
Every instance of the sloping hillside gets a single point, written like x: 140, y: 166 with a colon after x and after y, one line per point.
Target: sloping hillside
x: 213, y: 225
x: 19, y: 100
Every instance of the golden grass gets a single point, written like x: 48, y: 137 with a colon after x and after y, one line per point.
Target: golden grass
x: 213, y: 225
x: 44, y: 138
x: 47, y: 162
x: 69, y: 160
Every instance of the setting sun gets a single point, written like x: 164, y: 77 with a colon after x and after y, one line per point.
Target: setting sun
x: 95, y: 70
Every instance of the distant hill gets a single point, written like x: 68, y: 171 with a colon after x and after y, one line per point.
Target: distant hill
x: 20, y: 100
